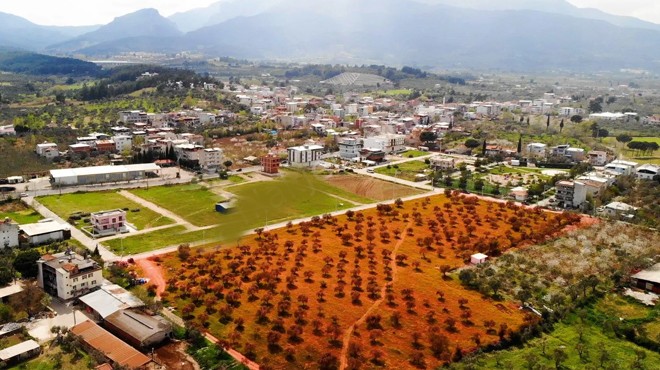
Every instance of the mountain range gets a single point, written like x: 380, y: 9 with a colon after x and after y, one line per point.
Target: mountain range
x: 515, y: 35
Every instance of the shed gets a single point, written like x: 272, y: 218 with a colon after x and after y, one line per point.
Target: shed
x: 20, y: 351
x: 478, y: 258
x: 10, y: 290
x: 138, y: 329
x: 15, y: 179
x: 45, y: 232
x: 225, y: 207
x: 103, y: 302
x: 648, y: 279
x: 110, y: 346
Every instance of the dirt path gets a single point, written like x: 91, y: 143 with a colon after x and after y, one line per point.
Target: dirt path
x: 154, y: 272
x: 160, y: 210
x: 343, y: 359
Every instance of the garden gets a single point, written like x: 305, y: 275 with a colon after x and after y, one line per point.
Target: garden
x: 370, y: 288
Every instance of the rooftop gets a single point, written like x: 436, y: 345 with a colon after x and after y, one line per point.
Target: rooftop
x: 19, y: 349
x: 10, y: 290
x: 41, y: 228
x: 69, y: 261
x: 100, y: 170
x: 111, y: 347
x: 651, y: 274
x: 110, y: 299
x: 137, y: 325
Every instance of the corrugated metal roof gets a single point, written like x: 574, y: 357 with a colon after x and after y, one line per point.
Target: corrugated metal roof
x: 43, y: 228
x: 111, y: 347
x: 101, y: 170
x: 18, y: 349
x: 137, y: 325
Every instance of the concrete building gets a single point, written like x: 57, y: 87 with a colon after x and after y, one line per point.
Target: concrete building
x: 48, y: 150
x: 443, y: 163
x: 8, y: 234
x: 619, y: 209
x: 597, y: 158
x: 101, y: 174
x: 123, y: 143
x: 620, y: 167
x: 107, y: 223
x: 44, y: 232
x: 68, y: 275
x: 648, y: 279
x: 19, y: 352
x: 570, y: 194
x: 576, y: 154
x: 133, y: 116
x: 389, y: 143
x: 647, y: 171
x: 350, y: 148
x: 209, y: 159
x: 536, y: 150
x: 304, y: 156
x: 105, y: 146
x: 270, y: 164
x: 107, y: 300
x: 137, y: 329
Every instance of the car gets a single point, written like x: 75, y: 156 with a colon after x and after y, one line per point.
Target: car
x: 370, y: 170
x: 23, y: 195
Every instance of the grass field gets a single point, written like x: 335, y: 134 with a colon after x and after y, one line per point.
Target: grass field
x: 621, y: 354
x: 159, y: 239
x: 19, y: 213
x: 414, y: 154
x: 365, y: 281
x: 630, y: 154
x: 405, y: 170
x: 47, y: 361
x: 194, y: 203
x: 66, y: 204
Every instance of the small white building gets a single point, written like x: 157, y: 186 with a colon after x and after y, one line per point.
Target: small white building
x: 478, y: 258
x: 46, y: 231
x: 8, y: 234
x: 123, y: 143
x: 68, y: 275
x: 133, y: 116
x: 519, y: 193
x: 625, y: 168
x: 48, y: 150
x: 647, y: 171
x: 536, y: 149
x: 305, y: 156
x: 388, y: 143
x: 7, y: 130
x: 619, y: 209
x: 597, y: 158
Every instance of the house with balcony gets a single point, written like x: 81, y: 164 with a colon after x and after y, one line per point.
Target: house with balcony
x: 597, y: 158
x: 305, y: 155
x: 106, y: 223
x: 570, y: 194
x: 350, y: 148
x: 68, y: 275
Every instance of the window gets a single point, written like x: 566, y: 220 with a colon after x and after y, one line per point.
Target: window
x: 93, y: 282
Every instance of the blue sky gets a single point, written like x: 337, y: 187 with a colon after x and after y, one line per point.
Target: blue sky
x: 87, y: 12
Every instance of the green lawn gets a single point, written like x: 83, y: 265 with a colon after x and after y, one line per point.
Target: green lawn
x: 630, y: 154
x: 155, y: 240
x: 414, y: 154
x: 19, y: 213
x: 66, y: 204
x: 621, y: 353
x: 46, y: 361
x: 194, y: 203
x: 405, y: 171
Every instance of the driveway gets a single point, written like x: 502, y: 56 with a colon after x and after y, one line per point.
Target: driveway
x: 64, y: 316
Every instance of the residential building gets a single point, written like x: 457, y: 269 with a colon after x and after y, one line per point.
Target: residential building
x: 519, y: 193
x: 209, y: 159
x: 597, y: 158
x: 9, y: 231
x: 349, y: 148
x: 576, y: 154
x: 105, y: 146
x: 647, y: 171
x: 305, y: 156
x: 559, y: 150
x: 570, y: 111
x: 107, y: 223
x: 133, y: 116
x: 537, y: 150
x: 595, y: 185
x: 80, y: 148
x: 270, y: 164
x: 48, y: 150
x: 123, y: 143
x: 68, y: 275
x: 443, y: 163
x: 102, y: 174
x: 648, y: 279
x: 389, y: 143
x: 619, y: 209
x: 43, y: 232
x: 620, y: 167
x: 570, y: 194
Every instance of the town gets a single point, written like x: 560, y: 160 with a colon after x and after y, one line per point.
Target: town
x: 173, y: 210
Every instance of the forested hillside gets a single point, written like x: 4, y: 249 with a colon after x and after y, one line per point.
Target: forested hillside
x: 40, y: 64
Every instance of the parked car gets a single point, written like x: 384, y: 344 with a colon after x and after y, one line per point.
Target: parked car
x: 23, y: 195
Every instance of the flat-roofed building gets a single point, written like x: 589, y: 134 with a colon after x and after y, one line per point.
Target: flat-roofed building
x: 19, y: 352
x: 571, y: 194
x: 43, y: 232
x: 101, y: 174
x: 647, y: 171
x: 305, y: 156
x: 106, y: 223
x: 9, y: 231
x: 68, y: 275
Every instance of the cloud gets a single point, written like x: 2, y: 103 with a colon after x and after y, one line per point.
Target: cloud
x: 88, y: 12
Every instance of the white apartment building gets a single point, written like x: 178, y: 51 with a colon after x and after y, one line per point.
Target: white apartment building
x: 305, y: 156
x: 68, y: 275
x: 620, y: 167
x: 123, y: 143
x: 597, y: 158
x: 647, y: 171
x: 8, y: 234
x: 390, y: 143
x: 208, y: 159
x: 350, y: 148
x: 133, y: 116
x: 48, y: 150
x: 571, y: 194
x: 536, y: 149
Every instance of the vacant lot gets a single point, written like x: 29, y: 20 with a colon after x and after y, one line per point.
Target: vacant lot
x: 194, y: 203
x: 654, y: 158
x: 406, y: 170
x: 361, y: 288
x: 370, y: 187
x: 66, y: 204
x: 19, y: 212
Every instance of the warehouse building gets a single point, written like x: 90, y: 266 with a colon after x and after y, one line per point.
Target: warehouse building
x: 137, y: 329
x: 114, y: 349
x: 44, y: 232
x: 102, y: 174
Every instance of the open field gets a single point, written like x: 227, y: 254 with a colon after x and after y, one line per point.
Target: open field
x: 406, y: 170
x: 194, y: 203
x: 357, y: 289
x: 631, y: 154
x: 19, y: 212
x: 160, y: 239
x: 370, y: 187
x: 66, y: 204
x: 414, y: 154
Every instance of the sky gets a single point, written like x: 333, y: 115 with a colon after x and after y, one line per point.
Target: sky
x: 88, y: 12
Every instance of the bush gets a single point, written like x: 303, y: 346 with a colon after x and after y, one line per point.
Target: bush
x: 135, y: 210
